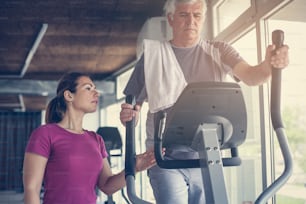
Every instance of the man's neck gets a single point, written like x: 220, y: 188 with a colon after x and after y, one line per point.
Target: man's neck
x: 184, y: 44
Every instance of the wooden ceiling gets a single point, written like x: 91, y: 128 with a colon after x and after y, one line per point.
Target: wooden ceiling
x: 41, y: 40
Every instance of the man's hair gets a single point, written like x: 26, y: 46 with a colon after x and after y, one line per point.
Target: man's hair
x: 170, y: 5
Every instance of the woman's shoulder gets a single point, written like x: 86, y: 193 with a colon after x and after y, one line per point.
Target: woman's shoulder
x: 46, y: 127
x: 93, y: 134
x: 90, y: 132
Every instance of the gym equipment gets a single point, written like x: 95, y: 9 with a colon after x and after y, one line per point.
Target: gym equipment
x: 210, y: 117
x: 278, y: 39
x: 130, y: 158
x: 112, y: 141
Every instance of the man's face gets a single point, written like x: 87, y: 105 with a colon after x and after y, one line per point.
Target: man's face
x: 187, y: 22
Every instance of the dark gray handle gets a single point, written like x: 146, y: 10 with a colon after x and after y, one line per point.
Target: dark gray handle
x: 277, y: 39
x: 130, y: 158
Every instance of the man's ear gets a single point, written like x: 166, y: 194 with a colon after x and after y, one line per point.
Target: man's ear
x: 170, y: 19
x: 68, y: 95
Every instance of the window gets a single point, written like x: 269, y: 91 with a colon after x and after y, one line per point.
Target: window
x: 227, y: 11
x: 291, y: 19
x: 293, y: 23
x: 240, y: 189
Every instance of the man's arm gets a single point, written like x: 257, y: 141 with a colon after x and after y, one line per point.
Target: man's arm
x: 261, y: 73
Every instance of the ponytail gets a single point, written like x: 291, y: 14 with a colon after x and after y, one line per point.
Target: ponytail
x: 55, y: 110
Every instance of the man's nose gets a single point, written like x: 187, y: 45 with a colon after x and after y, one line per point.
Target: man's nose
x: 190, y: 19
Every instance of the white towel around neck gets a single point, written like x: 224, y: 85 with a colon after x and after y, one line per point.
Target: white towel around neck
x: 164, y: 78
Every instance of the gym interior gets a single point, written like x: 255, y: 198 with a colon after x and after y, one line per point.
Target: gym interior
x: 247, y: 25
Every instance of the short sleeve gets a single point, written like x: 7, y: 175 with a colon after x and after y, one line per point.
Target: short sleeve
x: 39, y: 142
x: 102, y: 146
x: 229, y: 56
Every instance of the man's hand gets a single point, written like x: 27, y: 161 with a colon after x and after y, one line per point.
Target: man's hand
x: 277, y: 58
x: 128, y: 111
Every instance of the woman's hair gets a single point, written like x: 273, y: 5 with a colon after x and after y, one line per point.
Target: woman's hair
x: 57, y: 106
x: 170, y: 5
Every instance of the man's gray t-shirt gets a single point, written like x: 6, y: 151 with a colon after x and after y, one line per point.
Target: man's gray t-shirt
x: 206, y: 61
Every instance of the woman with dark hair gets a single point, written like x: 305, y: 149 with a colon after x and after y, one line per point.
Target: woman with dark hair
x: 70, y: 160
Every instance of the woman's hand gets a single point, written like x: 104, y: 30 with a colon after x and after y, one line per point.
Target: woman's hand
x: 145, y: 160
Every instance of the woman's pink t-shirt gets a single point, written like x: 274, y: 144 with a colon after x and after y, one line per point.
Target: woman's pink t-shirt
x: 74, y: 163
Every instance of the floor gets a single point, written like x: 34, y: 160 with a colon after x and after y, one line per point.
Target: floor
x: 11, y: 197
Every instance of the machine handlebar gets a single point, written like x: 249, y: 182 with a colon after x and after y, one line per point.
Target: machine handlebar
x: 277, y: 39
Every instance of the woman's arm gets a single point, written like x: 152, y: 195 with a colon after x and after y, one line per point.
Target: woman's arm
x: 110, y: 183
x: 33, y: 171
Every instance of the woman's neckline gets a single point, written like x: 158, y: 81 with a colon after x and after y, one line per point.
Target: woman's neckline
x: 72, y: 131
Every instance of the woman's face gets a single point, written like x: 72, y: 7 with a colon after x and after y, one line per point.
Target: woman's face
x: 86, y: 97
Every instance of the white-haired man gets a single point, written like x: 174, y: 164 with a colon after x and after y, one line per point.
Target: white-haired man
x: 193, y: 59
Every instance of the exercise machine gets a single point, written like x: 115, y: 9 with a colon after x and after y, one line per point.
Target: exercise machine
x: 275, y: 108
x: 210, y: 117
x: 130, y: 158
x: 113, y: 143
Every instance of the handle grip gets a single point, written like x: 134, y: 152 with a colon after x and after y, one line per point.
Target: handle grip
x: 278, y: 40
x: 130, y: 156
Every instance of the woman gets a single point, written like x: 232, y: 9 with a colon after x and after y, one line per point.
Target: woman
x: 70, y: 160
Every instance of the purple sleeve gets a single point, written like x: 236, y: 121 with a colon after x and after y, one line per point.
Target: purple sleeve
x: 39, y: 142
x: 102, y: 146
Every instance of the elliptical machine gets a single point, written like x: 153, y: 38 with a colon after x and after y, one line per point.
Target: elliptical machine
x: 210, y: 129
